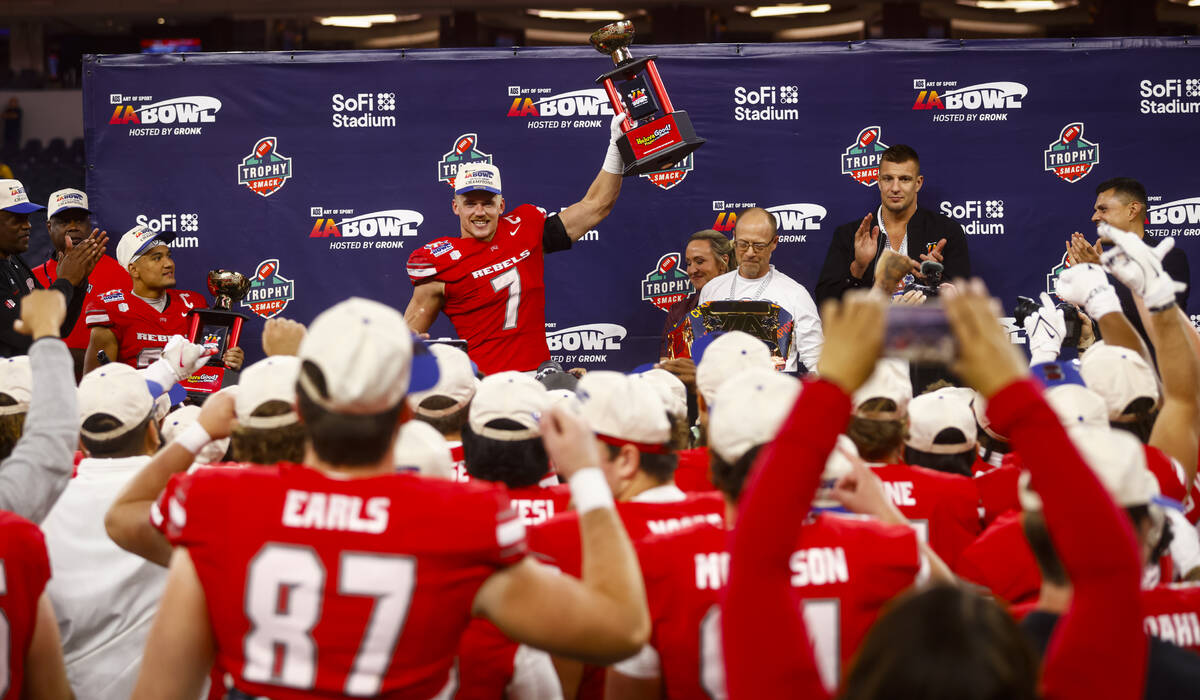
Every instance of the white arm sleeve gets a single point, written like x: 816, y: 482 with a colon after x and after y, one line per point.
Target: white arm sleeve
x: 643, y: 665
x: 1185, y: 543
x: 534, y: 677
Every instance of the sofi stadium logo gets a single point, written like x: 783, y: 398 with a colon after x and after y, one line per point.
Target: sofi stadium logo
x: 546, y: 109
x: 583, y: 342
x: 176, y: 116
x: 860, y: 160
x: 377, y: 229
x: 1180, y: 217
x: 979, y: 102
x: 270, y: 292
x: 1070, y: 156
x: 1170, y: 96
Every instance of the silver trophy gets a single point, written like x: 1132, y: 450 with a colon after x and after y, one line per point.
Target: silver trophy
x: 227, y: 286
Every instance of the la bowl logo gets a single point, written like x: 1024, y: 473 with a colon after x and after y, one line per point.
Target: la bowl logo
x: 195, y: 109
x: 793, y: 219
x: 860, y: 160
x: 593, y: 336
x: 669, y: 177
x: 265, y: 170
x: 546, y: 109
x: 667, y: 283
x: 383, y: 224
x: 995, y: 95
x: 270, y: 292
x: 1070, y: 156
x: 463, y: 152
x: 1181, y: 212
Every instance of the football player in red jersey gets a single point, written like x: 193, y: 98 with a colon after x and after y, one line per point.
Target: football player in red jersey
x: 843, y: 568
x: 446, y: 405
x: 132, y: 324
x: 347, y: 578
x: 33, y: 660
x: 489, y: 279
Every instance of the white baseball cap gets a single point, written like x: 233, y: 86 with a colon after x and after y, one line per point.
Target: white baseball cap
x: 456, y: 381
x: 725, y: 355
x: 623, y: 410
x: 515, y: 396
x: 930, y: 414
x: 477, y: 176
x: 748, y: 411
x: 137, y: 241
x: 979, y: 406
x: 1118, y: 460
x: 671, y: 391
x: 1077, y: 406
x: 367, y: 357
x: 16, y: 380
x: 1118, y: 374
x: 65, y: 199
x: 178, y: 420
x: 420, y: 448
x: 117, y: 390
x: 272, y: 379
x: 13, y: 198
x: 837, y: 465
x: 890, y: 380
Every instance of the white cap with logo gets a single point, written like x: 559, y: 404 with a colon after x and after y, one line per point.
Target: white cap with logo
x: 890, y: 380
x: 671, y: 391
x: 179, y: 420
x: 65, y: 199
x: 137, y: 241
x: 725, y: 355
x: 16, y: 381
x: 1118, y: 460
x: 477, y: 176
x: 118, y: 390
x: 14, y: 198
x: 456, y: 381
x: 1118, y: 374
x: 420, y: 448
x: 622, y: 409
x: 1077, y: 406
x: 748, y: 410
x: 270, y: 379
x: 930, y: 414
x: 514, y: 396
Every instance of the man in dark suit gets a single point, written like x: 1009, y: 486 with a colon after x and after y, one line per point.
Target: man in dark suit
x: 906, y: 228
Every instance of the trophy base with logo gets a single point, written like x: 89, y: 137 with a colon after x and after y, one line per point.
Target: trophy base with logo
x: 218, y: 328
x: 764, y: 320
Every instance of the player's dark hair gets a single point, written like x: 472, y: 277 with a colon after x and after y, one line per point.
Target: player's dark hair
x: 1138, y: 419
x: 1126, y: 188
x: 877, y: 439
x: 12, y: 425
x: 722, y: 247
x: 730, y: 478
x: 1139, y: 515
x: 269, y: 445
x: 681, y: 432
x: 130, y: 443
x: 514, y: 463
x: 991, y: 445
x: 660, y: 467
x: 447, y: 424
x: 340, y: 438
x: 759, y: 211
x: 901, y: 153
x: 943, y: 643
x: 956, y: 463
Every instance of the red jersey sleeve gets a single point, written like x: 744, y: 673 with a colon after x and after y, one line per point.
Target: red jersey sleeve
x: 99, y: 311
x: 432, y: 260
x: 24, y: 571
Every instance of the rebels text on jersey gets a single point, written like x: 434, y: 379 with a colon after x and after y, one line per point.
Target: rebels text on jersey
x: 495, y: 292
x: 24, y: 571
x: 328, y: 587
x: 141, y: 329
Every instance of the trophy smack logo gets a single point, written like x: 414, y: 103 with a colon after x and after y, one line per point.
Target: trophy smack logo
x: 265, y: 170
x: 179, y: 116
x: 270, y: 292
x: 669, y: 177
x: 546, y: 109
x: 1053, y: 275
x: 982, y: 102
x: 1070, y: 156
x: 464, y: 151
x: 667, y: 283
x: 861, y: 159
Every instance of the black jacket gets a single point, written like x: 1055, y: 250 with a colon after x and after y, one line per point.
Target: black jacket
x: 16, y: 281
x: 925, y: 229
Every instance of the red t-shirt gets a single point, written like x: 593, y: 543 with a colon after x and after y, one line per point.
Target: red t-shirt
x: 943, y: 506
x: 141, y: 329
x: 692, y: 475
x: 495, y: 293
x: 107, y: 275
x: 1172, y: 613
x: 1001, y: 561
x: 320, y: 586
x: 998, y: 491
x: 24, y: 571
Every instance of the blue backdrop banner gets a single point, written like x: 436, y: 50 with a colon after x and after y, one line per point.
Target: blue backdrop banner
x: 318, y: 173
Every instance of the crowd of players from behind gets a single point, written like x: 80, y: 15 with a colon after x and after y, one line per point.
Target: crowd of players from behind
x: 369, y: 515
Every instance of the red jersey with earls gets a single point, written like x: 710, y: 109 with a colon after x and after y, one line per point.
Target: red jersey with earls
x: 495, y: 293
x: 322, y: 587
x: 107, y: 275
x: 24, y: 571
x: 141, y: 329
x: 943, y: 507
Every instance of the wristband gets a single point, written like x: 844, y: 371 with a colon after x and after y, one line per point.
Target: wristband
x: 193, y: 438
x: 613, y: 163
x: 589, y: 490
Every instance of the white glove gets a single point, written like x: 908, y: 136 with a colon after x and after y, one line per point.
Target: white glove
x: 613, y: 163
x: 1086, y: 285
x: 1139, y: 267
x: 1045, y: 329
x: 179, y: 360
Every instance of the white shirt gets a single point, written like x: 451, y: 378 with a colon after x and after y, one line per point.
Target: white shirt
x: 790, y: 295
x: 105, y: 598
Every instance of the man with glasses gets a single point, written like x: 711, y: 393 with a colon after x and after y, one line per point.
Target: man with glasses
x: 908, y: 229
x: 756, y: 279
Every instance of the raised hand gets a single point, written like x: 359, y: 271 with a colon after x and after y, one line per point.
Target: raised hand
x: 78, y: 261
x: 866, y: 244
